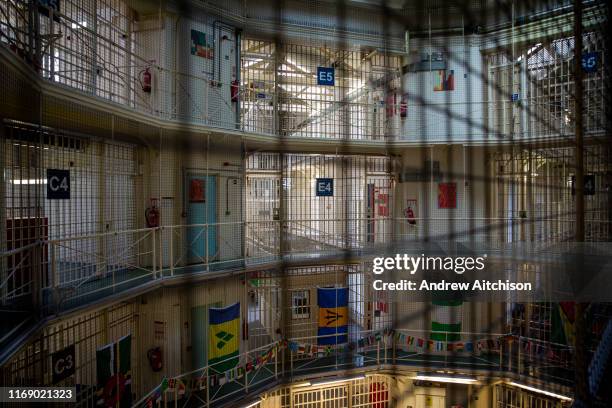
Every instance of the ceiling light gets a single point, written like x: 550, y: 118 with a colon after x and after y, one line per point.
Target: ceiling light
x: 302, y: 384
x: 252, y: 404
x: 29, y: 181
x: 330, y: 381
x: 540, y: 391
x: 446, y: 378
x: 338, y: 380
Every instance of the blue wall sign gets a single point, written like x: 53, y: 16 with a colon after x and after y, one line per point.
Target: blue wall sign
x: 590, y: 61
x: 58, y: 184
x: 515, y: 97
x: 324, y: 187
x: 325, y: 76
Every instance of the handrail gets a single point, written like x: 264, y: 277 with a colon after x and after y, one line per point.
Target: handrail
x: 216, y: 118
x: 86, y: 267
x: 382, y: 351
x: 318, y: 220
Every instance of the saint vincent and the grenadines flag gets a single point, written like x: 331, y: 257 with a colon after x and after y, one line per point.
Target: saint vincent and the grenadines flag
x: 223, y: 337
x: 333, y: 315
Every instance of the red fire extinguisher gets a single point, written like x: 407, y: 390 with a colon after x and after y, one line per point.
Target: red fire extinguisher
x: 410, y: 215
x: 145, y: 82
x: 154, y: 356
x: 234, y: 90
x: 152, y: 214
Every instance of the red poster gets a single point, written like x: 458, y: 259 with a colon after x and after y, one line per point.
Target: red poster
x: 196, y: 191
x: 447, y: 195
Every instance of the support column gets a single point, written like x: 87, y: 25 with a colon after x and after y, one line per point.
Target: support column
x: 582, y: 390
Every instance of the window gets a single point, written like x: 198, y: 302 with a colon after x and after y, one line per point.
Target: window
x: 300, y: 304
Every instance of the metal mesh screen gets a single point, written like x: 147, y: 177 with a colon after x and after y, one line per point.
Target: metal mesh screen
x: 282, y: 144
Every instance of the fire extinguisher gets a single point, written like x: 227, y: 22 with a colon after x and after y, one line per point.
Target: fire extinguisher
x: 152, y: 214
x: 234, y: 90
x: 154, y: 356
x: 145, y: 82
x: 410, y: 216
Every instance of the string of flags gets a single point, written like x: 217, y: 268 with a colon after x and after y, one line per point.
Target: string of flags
x: 199, y: 382
x: 469, y: 346
x: 541, y: 350
x: 405, y: 341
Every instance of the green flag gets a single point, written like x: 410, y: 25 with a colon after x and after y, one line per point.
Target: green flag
x: 446, y: 319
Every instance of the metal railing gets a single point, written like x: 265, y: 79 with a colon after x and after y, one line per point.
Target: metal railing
x: 299, y: 359
x: 77, y: 270
x: 72, y: 53
x: 21, y: 270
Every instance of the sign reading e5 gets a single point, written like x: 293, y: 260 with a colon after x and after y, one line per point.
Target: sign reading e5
x: 324, y: 187
x: 325, y: 76
x: 590, y: 61
x: 58, y: 184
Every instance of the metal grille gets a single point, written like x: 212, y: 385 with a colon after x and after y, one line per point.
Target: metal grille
x: 104, y: 181
x: 359, y: 211
x: 87, y: 333
x: 336, y: 397
x: 281, y: 93
x: 536, y: 185
x: 531, y: 89
x: 509, y: 397
x: 373, y: 391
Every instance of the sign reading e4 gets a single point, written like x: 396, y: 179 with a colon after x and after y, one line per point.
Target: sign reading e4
x: 325, y: 187
x: 58, y: 184
x: 325, y: 76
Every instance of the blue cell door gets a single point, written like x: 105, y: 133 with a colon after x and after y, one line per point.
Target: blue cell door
x: 201, y: 201
x: 199, y: 334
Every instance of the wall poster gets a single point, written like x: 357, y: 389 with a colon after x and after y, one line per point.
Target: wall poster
x: 199, y: 46
x: 447, y: 195
x: 196, y: 191
x: 444, y: 82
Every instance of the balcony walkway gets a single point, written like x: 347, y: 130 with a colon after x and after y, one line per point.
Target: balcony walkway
x: 289, y: 366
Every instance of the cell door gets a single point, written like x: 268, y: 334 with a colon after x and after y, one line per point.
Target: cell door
x: 201, y: 207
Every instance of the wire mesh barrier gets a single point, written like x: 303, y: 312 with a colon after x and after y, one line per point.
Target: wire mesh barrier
x: 163, y: 160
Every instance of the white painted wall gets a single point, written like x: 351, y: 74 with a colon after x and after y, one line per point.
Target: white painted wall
x: 465, y: 166
x: 456, y: 115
